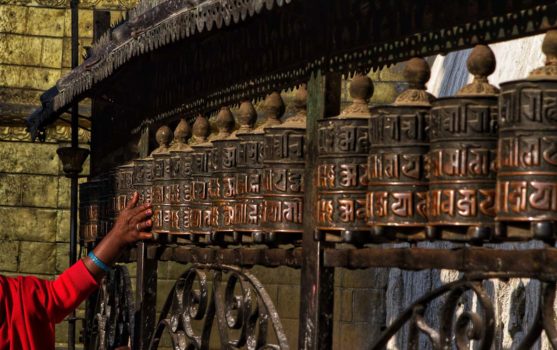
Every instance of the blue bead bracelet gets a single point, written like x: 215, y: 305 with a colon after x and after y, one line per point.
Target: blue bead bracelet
x: 98, y: 262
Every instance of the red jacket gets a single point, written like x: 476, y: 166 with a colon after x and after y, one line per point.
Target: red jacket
x: 29, y: 307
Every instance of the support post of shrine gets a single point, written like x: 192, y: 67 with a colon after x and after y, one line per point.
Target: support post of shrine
x: 146, y: 279
x: 317, y: 281
x: 74, y: 177
x: 146, y: 296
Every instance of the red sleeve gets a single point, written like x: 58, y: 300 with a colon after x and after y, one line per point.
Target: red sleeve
x: 63, y: 295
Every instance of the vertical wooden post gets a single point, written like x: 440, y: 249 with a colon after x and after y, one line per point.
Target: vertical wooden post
x: 317, y: 281
x: 146, y: 281
x: 145, y: 296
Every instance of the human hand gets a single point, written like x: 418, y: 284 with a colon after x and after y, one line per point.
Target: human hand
x: 132, y: 224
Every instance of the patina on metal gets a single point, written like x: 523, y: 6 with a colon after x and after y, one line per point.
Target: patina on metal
x: 201, y: 215
x: 249, y: 199
x: 223, y: 192
x: 527, y: 148
x: 162, y: 182
x: 461, y: 159
x: 343, y: 147
x: 397, y: 187
x: 180, y: 168
x: 283, y: 189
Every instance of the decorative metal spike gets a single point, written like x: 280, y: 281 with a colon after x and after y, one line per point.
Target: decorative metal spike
x: 164, y: 138
x: 225, y: 123
x: 201, y: 130
x: 481, y: 63
x: 274, y: 109
x: 181, y: 134
x: 416, y: 73
x: 247, y: 116
x: 549, y: 48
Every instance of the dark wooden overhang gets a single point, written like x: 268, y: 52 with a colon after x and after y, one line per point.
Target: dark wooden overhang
x: 186, y: 56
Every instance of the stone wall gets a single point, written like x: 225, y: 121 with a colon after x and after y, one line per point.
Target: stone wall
x: 35, y: 51
x: 34, y: 206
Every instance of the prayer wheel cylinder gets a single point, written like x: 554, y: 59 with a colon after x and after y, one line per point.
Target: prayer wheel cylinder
x: 397, y: 187
x: 343, y: 147
x: 162, y: 182
x: 201, y: 215
x: 283, y: 190
x: 225, y: 161
x: 249, y: 182
x: 461, y: 159
x: 180, y: 167
x: 527, y: 148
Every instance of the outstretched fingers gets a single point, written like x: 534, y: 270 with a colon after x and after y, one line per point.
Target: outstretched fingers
x: 142, y: 226
x: 133, y: 201
x: 142, y: 208
x: 141, y: 215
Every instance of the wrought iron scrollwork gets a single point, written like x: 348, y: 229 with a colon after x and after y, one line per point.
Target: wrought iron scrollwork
x: 544, y: 321
x: 459, y: 328
x: 234, y: 298
x: 114, y: 313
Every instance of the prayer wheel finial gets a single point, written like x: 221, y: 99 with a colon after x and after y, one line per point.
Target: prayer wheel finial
x: 416, y: 73
x: 300, y: 104
x: 247, y: 116
x: 163, y: 137
x: 481, y: 63
x: 274, y: 109
x: 200, y: 129
x: 225, y: 123
x: 181, y: 134
x: 549, y: 48
x: 361, y: 90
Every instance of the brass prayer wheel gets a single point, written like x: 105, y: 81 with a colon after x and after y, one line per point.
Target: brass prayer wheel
x: 106, y: 199
x: 123, y: 189
x: 224, y: 161
x: 162, y: 182
x: 249, y: 196
x: 461, y: 159
x: 180, y: 167
x: 284, y: 162
x: 142, y: 178
x: 397, y: 187
x: 343, y: 147
x: 201, y: 206
x: 527, y: 148
x: 89, y: 211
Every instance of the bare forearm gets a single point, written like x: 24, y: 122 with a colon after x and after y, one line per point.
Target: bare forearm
x: 107, y: 251
x: 132, y: 225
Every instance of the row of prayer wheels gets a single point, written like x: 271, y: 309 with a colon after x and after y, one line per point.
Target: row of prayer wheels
x: 240, y: 184
x: 466, y: 167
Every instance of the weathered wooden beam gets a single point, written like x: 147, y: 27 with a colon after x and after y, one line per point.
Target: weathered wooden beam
x: 535, y: 262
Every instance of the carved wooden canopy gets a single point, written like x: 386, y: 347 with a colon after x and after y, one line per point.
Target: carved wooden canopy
x: 190, y: 56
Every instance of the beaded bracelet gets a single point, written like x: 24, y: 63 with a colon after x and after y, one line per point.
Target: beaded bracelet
x: 98, y: 262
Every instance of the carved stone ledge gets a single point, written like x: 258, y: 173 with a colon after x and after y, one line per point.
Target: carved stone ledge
x: 54, y: 134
